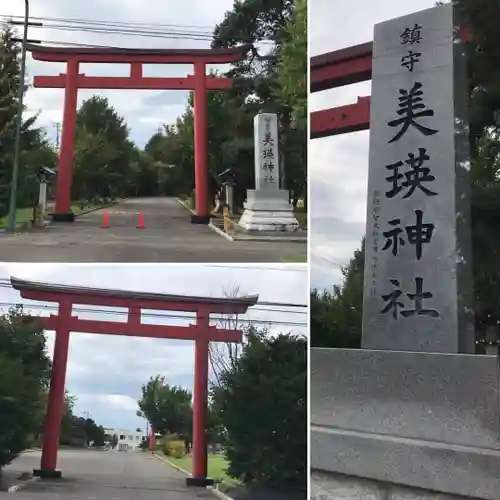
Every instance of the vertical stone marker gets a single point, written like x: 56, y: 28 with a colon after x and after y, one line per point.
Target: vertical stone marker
x: 268, y: 207
x: 417, y: 288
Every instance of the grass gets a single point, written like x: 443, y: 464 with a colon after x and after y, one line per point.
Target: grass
x: 217, y: 466
x: 295, y: 258
x: 26, y: 214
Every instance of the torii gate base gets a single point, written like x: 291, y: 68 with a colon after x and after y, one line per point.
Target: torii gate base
x: 64, y: 322
x: 73, y: 80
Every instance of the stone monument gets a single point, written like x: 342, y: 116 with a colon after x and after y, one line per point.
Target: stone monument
x: 414, y: 413
x: 268, y: 207
x: 418, y: 283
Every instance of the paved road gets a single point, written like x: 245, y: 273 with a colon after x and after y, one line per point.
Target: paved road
x: 169, y: 236
x: 106, y: 475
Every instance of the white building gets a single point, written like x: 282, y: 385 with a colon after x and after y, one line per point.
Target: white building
x: 126, y: 437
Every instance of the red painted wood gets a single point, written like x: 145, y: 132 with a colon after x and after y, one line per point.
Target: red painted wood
x: 145, y: 56
x: 55, y: 402
x: 65, y: 170
x: 341, y: 67
x: 137, y: 329
x: 200, y: 394
x: 201, y: 141
x: 142, y: 303
x: 64, y: 322
x: 200, y: 83
x: 341, y: 120
x: 131, y: 82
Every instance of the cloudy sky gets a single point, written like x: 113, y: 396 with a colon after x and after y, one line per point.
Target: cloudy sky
x: 143, y: 110
x: 338, y: 166
x: 105, y: 373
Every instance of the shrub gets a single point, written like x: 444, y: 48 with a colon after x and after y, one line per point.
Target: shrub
x: 175, y: 449
x: 269, y: 380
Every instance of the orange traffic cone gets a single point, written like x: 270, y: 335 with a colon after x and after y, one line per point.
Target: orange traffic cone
x: 140, y: 224
x: 105, y: 222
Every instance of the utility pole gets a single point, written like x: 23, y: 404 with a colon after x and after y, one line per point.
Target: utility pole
x: 11, y: 226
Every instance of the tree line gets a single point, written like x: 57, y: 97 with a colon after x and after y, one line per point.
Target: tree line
x: 336, y: 314
x: 107, y: 163
x: 25, y: 368
x: 266, y: 380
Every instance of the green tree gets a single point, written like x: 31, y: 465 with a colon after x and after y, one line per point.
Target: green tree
x: 67, y: 419
x: 260, y: 78
x: 292, y: 64
x: 24, y: 377
x: 336, y: 316
x: 103, y: 152
x: 256, y: 88
x: 268, y: 382
x: 34, y: 148
x: 167, y: 408
x: 95, y: 433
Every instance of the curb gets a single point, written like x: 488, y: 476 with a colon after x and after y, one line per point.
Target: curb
x: 214, y: 489
x: 219, y: 231
x: 22, y: 229
x: 283, y: 239
x: 20, y: 486
x: 94, y: 209
x: 176, y: 467
x: 210, y: 225
x: 182, y: 203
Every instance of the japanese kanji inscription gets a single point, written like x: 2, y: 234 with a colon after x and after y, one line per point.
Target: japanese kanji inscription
x: 414, y: 243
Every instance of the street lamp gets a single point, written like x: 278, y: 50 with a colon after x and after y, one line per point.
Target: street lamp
x: 15, y: 169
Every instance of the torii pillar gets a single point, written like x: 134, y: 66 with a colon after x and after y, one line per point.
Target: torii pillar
x: 199, y: 82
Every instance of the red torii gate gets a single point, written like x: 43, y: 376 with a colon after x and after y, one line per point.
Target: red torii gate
x: 65, y: 322
x: 73, y: 80
x: 338, y: 69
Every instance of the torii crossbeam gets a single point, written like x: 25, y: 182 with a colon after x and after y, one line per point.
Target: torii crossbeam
x: 64, y: 322
x: 338, y: 69
x: 73, y: 80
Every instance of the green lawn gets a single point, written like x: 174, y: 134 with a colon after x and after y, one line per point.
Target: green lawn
x: 217, y: 466
x: 26, y: 214
x: 295, y: 258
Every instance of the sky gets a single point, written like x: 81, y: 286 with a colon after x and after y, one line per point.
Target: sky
x: 338, y: 166
x: 143, y: 110
x: 106, y: 373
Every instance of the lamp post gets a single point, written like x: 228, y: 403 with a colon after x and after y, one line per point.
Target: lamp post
x: 15, y: 169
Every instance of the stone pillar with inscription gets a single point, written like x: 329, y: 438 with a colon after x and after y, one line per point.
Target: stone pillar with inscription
x: 414, y: 413
x: 418, y: 285
x: 268, y: 207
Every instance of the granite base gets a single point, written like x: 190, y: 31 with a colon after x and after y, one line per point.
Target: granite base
x: 420, y: 420
x: 268, y: 210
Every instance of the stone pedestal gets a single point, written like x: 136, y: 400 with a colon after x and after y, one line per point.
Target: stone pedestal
x: 268, y: 207
x: 426, y: 421
x: 267, y: 210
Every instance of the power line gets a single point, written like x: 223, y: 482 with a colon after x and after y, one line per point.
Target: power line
x: 113, y: 23
x: 285, y: 309
x: 130, y: 29
x: 153, y: 315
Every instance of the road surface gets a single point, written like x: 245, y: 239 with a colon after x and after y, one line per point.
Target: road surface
x: 168, y: 236
x: 106, y: 475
